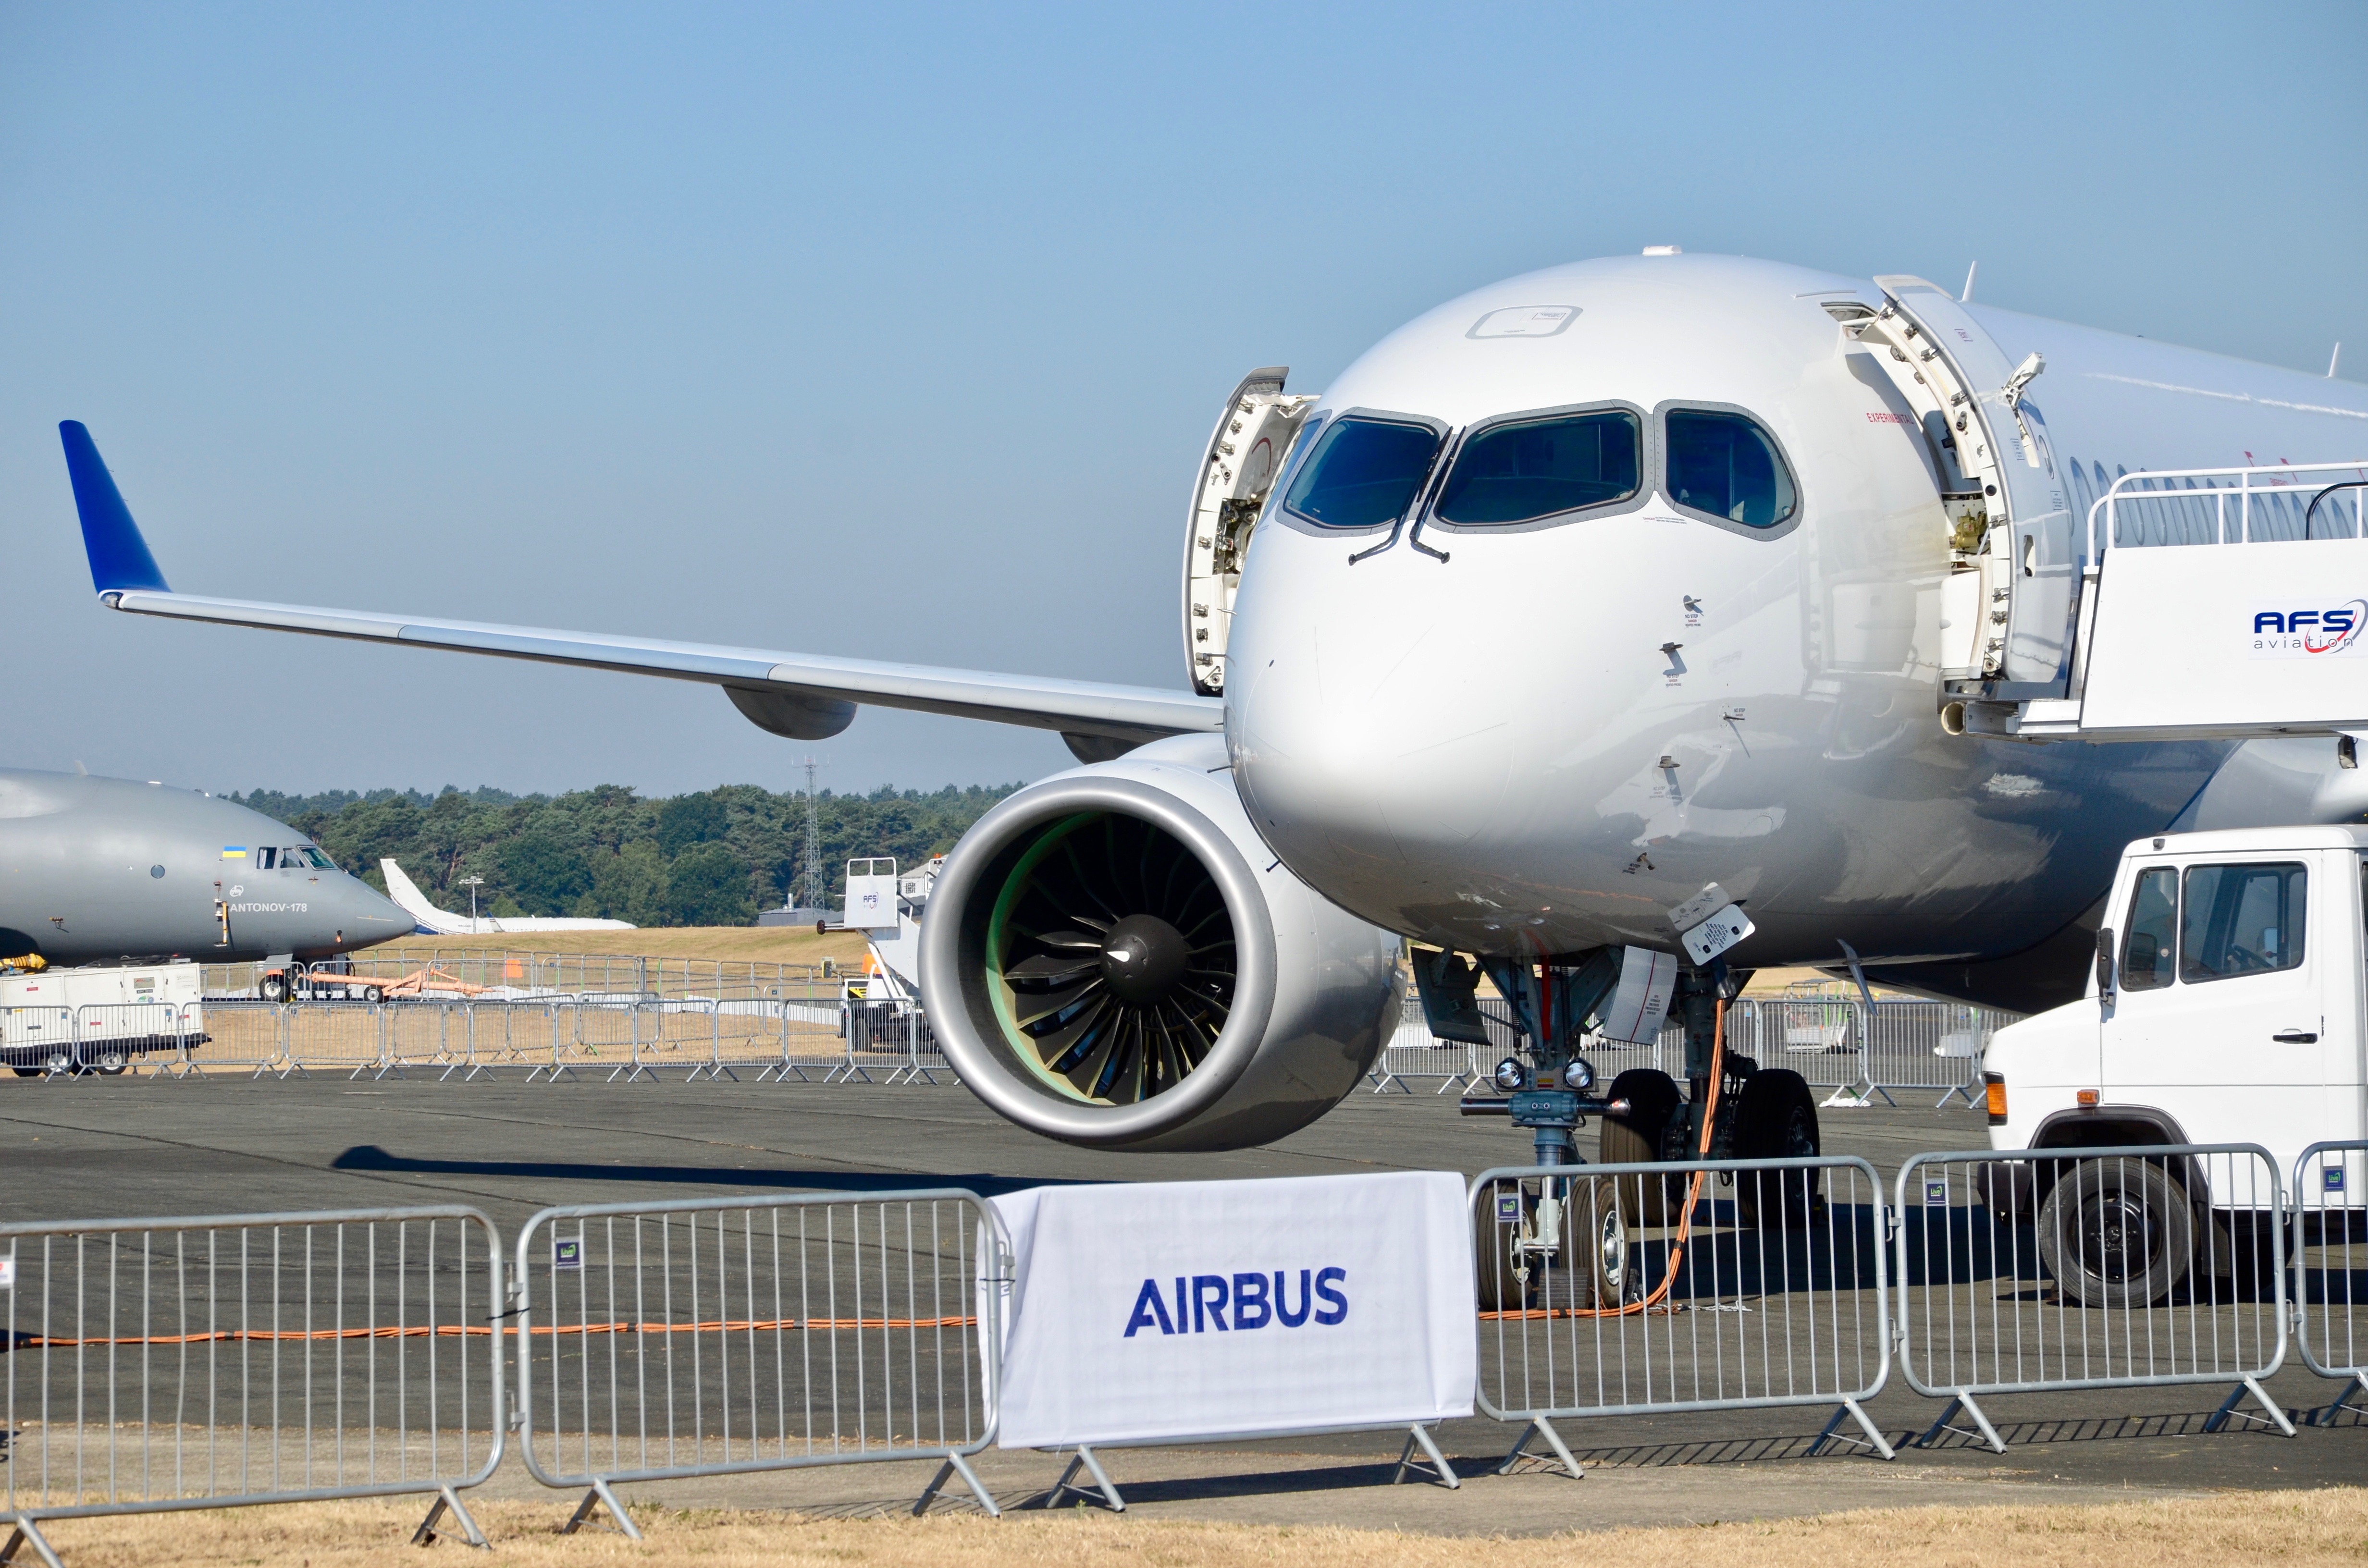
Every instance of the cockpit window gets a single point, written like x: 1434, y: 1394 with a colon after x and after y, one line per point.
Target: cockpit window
x: 1724, y: 464
x: 1521, y: 471
x: 1364, y: 473
x: 319, y: 860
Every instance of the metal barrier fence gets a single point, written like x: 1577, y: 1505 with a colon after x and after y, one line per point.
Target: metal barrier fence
x: 622, y: 1038
x: 2031, y: 1271
x: 2329, y: 1247
x: 731, y: 1334
x: 1834, y: 1041
x: 1690, y: 1286
x: 224, y: 1360
x: 562, y: 973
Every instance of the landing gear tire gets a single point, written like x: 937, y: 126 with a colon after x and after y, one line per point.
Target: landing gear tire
x: 374, y: 995
x: 1596, y: 1239
x: 273, y: 988
x: 1776, y: 1117
x: 2117, y: 1232
x: 1636, y: 1138
x: 1588, y: 1267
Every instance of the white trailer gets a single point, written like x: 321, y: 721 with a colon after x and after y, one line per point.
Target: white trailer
x: 2226, y: 1005
x: 96, y: 1019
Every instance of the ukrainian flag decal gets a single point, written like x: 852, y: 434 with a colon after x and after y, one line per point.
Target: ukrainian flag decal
x: 234, y: 852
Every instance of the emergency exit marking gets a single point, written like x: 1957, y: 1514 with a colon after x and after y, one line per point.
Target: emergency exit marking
x: 567, y: 1257
x: 2330, y: 1178
x: 1936, y: 1192
x: 1508, y: 1209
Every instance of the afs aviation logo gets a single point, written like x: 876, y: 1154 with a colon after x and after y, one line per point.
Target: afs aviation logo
x: 2282, y: 631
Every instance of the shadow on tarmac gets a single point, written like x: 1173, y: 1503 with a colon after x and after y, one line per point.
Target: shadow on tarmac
x: 370, y: 1157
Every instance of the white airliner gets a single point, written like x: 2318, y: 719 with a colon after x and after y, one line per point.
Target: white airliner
x: 1569, y: 597
x: 435, y: 922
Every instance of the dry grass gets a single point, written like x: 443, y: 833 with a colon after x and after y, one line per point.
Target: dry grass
x: 2286, y: 1528
x: 766, y: 944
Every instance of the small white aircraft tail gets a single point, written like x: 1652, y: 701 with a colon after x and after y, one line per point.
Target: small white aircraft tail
x: 444, y: 923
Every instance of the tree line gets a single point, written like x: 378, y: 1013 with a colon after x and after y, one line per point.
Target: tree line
x: 712, y: 858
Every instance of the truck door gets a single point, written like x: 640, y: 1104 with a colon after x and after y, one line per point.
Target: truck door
x: 2217, y: 1012
x: 2015, y: 562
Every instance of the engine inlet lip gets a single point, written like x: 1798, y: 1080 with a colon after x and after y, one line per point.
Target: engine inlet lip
x: 983, y: 1066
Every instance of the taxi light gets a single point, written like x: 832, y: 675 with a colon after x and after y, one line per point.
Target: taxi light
x: 1994, y: 1097
x: 2088, y: 1098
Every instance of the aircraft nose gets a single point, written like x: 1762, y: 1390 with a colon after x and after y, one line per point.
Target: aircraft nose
x: 363, y: 916
x: 1368, y: 748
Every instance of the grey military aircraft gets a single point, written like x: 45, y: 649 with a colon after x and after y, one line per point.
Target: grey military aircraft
x: 100, y: 870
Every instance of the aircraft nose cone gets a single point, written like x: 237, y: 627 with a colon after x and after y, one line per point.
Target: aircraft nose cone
x: 364, y: 916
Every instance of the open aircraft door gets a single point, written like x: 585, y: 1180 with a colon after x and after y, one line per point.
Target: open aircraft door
x: 1245, y: 451
x: 2008, y: 604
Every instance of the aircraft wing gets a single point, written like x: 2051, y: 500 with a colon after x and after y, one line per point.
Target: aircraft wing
x: 803, y: 695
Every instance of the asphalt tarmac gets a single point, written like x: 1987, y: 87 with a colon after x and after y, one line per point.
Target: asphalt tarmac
x: 110, y: 1148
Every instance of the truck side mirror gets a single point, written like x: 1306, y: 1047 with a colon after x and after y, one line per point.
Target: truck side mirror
x: 2105, y: 961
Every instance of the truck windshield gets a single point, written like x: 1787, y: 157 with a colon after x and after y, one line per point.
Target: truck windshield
x: 2241, y: 920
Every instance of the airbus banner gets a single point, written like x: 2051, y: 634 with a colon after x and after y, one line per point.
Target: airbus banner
x: 1161, y: 1311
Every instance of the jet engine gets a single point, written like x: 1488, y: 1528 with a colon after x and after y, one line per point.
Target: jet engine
x: 1113, y: 958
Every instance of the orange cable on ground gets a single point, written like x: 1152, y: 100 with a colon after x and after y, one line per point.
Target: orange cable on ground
x: 1685, y: 1219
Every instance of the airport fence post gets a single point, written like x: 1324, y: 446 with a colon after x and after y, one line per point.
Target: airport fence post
x: 1681, y: 1286
x: 2050, y: 1271
x: 633, y: 1067
x: 713, y: 1066
x: 556, y: 1068
x: 850, y: 1021
x: 2328, y: 1243
x: 664, y: 1340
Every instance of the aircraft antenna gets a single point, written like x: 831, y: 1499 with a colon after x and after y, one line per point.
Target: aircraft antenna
x: 1967, y: 297
x: 2334, y: 359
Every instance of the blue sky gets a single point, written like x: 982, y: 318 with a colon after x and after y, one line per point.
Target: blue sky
x: 893, y: 332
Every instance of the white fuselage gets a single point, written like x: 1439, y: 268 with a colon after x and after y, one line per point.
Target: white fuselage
x: 1501, y: 753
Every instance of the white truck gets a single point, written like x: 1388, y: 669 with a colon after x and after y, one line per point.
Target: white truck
x: 96, y: 1019
x: 2225, y: 1006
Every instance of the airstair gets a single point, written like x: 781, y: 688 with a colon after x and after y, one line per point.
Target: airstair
x: 2212, y: 604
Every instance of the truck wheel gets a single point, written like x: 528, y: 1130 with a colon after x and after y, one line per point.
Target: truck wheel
x: 111, y: 1065
x: 2117, y: 1232
x: 1776, y: 1117
x: 1636, y: 1138
x: 374, y: 993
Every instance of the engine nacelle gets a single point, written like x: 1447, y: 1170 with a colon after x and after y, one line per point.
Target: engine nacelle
x: 1112, y: 956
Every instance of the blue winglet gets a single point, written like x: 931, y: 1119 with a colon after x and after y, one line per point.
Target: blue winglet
x: 119, y: 556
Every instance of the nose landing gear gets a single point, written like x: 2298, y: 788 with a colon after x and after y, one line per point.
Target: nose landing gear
x: 1756, y: 1113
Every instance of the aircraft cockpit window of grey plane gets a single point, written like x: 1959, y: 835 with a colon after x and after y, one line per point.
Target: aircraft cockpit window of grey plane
x: 1526, y: 468
x: 1725, y: 466
x: 1366, y: 472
